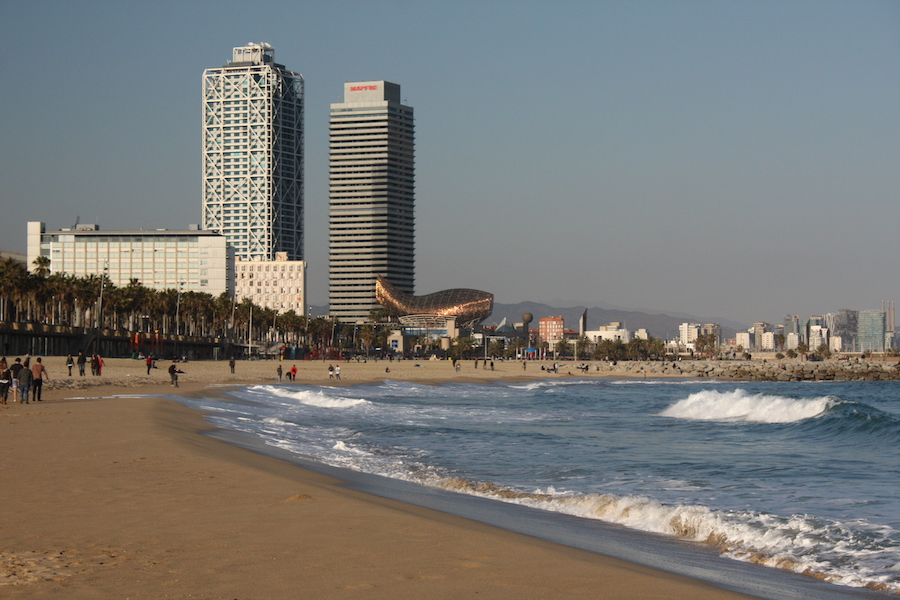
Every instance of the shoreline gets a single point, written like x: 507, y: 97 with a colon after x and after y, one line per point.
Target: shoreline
x: 107, y: 496
x: 135, y: 407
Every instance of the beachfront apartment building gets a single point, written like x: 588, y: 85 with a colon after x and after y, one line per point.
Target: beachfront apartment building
x: 253, y: 154
x: 190, y: 260
x: 371, y: 228
x: 551, y: 329
x: 278, y: 284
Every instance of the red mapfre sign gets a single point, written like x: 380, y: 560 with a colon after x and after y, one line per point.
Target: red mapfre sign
x: 362, y: 88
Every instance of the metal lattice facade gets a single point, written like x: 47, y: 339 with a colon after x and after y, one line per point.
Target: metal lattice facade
x: 253, y: 155
x: 372, y: 197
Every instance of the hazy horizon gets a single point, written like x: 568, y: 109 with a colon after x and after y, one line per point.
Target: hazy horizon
x: 723, y: 159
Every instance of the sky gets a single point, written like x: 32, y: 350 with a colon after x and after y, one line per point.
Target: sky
x: 729, y: 160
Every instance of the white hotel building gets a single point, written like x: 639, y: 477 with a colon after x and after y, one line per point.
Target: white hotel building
x: 189, y: 260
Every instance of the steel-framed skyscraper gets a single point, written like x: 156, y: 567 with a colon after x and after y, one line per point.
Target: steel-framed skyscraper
x: 253, y: 154
x: 372, y: 197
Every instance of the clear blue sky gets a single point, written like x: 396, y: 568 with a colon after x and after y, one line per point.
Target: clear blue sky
x: 725, y: 159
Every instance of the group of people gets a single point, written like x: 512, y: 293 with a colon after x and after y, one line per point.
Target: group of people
x: 334, y: 372
x: 291, y: 374
x: 23, y: 379
x: 81, y: 360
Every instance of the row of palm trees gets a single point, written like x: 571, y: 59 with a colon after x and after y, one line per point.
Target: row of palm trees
x: 94, y: 301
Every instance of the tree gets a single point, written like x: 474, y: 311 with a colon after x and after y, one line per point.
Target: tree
x: 823, y: 351
x: 461, y: 347
x: 496, y: 347
x: 562, y: 347
x: 367, y: 335
x: 706, y: 344
x: 41, y: 266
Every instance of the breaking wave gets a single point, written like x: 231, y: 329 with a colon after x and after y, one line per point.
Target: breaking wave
x: 739, y: 405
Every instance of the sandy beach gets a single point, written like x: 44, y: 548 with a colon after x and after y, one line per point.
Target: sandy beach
x: 121, y: 497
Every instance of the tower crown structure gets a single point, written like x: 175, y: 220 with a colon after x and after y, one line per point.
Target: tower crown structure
x: 253, y: 154
x: 371, y: 197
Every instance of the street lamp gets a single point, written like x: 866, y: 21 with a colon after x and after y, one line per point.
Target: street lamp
x: 100, y: 303
x: 178, y: 307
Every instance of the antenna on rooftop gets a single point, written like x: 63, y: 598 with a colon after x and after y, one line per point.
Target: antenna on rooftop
x: 75, y: 226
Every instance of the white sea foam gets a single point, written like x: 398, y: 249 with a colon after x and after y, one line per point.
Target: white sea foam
x: 311, y: 397
x: 798, y: 543
x: 738, y: 405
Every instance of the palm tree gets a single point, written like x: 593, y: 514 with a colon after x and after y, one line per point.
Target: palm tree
x: 41, y: 266
x: 13, y: 274
x: 367, y: 335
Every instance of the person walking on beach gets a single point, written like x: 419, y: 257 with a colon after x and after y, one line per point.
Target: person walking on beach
x: 337, y: 372
x: 294, y: 373
x: 38, y: 372
x: 330, y: 372
x: 173, y: 373
x: 25, y: 379
x: 14, y: 378
x: 81, y: 360
x: 70, y: 362
x: 278, y: 370
x: 5, y: 377
x: 231, y: 364
x: 149, y: 362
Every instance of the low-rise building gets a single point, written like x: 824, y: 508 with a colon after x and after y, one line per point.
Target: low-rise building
x: 278, y: 284
x: 187, y: 260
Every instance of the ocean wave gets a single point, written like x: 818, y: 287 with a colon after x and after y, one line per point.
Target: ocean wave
x: 820, y: 548
x: 739, y: 405
x: 320, y: 397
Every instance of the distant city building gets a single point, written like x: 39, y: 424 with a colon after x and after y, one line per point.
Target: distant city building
x: 713, y: 329
x: 843, y: 325
x: 744, y: 340
x: 758, y: 329
x: 253, y: 154
x: 791, y: 324
x: 186, y: 260
x: 767, y: 341
x: 614, y: 331
x: 371, y: 197
x: 688, y: 333
x: 818, y: 336
x: 871, y: 330
x: 278, y: 284
x: 551, y: 329
x: 836, y: 343
x: 792, y: 341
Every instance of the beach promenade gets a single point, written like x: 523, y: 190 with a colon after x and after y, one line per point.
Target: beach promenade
x: 110, y: 491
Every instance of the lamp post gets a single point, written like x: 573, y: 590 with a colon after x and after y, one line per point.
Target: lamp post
x: 100, y: 302
x: 178, y: 307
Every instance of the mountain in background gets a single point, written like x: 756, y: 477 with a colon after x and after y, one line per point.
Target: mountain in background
x: 659, y: 325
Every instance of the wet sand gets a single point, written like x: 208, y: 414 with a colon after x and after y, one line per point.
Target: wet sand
x: 121, y: 497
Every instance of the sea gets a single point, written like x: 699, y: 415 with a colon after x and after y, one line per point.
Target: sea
x: 798, y: 478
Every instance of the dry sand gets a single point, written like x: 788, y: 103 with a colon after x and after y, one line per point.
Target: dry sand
x: 106, y: 497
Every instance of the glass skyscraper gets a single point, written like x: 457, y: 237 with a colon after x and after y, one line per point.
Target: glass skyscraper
x: 253, y: 155
x: 372, y: 197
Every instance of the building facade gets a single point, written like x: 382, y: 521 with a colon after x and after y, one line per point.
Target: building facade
x: 253, y: 154
x: 551, y: 329
x: 278, y: 284
x: 371, y: 197
x: 189, y: 260
x: 871, y: 329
